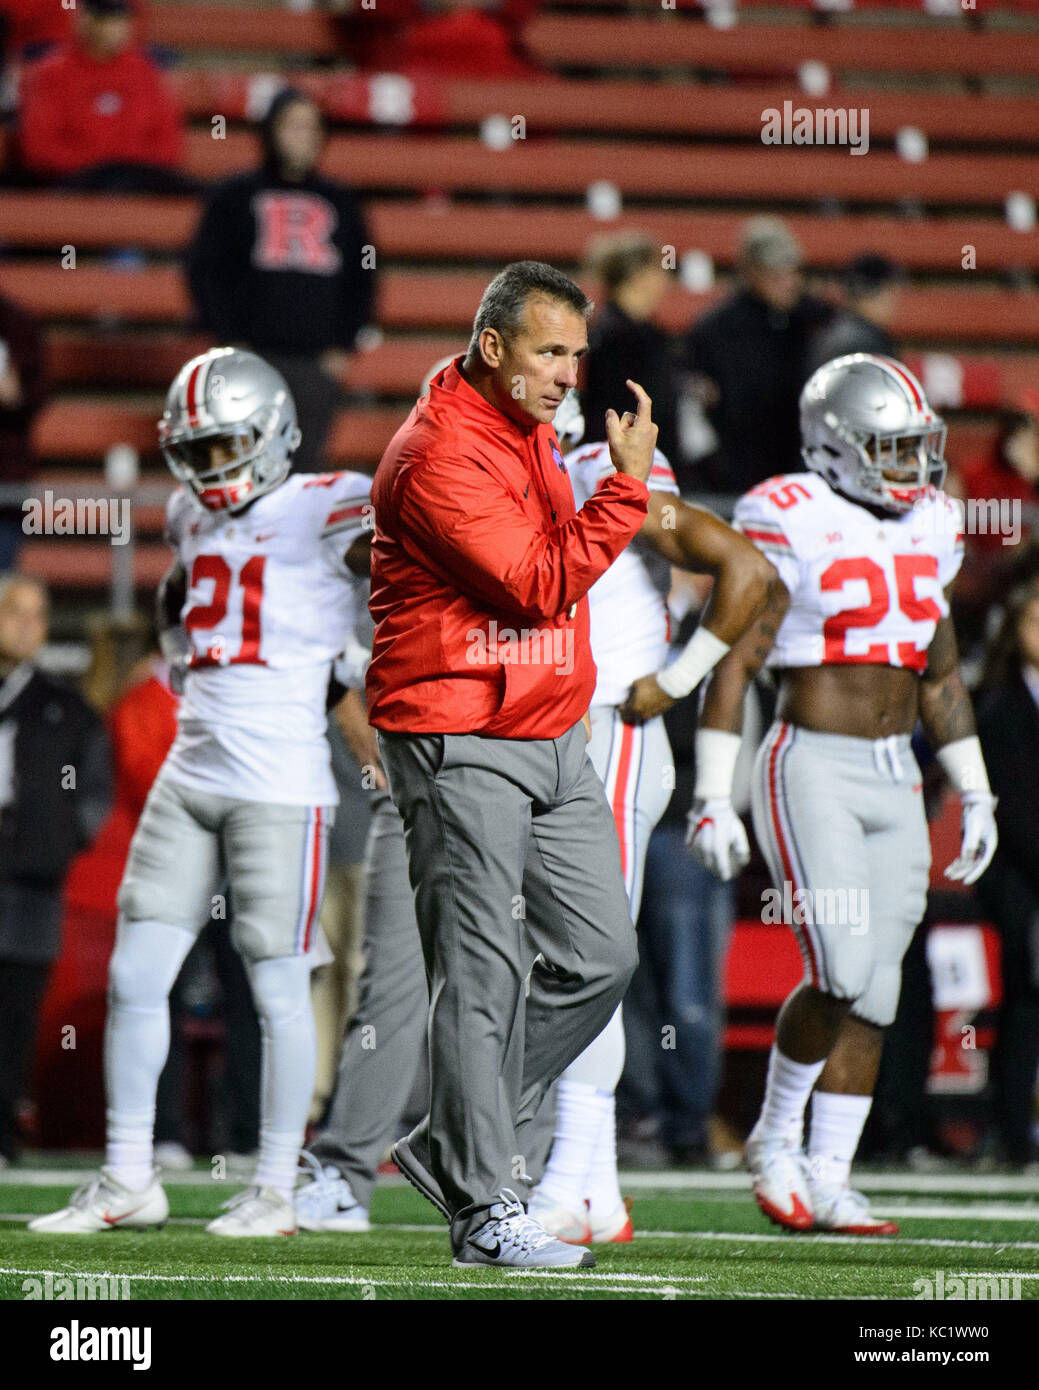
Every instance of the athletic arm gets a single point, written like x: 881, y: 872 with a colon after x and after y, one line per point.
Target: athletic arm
x: 744, y: 580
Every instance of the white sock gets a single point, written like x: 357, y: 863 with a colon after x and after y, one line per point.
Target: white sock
x: 145, y: 963
x: 281, y: 988
x: 278, y: 1161
x: 603, y: 1188
x: 581, y: 1111
x: 129, y: 1153
x: 835, y: 1131
x: 786, y: 1095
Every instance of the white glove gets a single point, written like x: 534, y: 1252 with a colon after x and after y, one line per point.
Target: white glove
x: 716, y: 837
x: 980, y: 837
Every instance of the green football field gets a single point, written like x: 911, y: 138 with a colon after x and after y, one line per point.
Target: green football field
x: 698, y: 1236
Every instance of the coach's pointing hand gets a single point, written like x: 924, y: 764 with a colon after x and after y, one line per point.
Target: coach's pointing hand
x: 633, y: 437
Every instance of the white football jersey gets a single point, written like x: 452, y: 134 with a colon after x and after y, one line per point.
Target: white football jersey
x: 629, y: 622
x: 862, y: 589
x: 270, y: 604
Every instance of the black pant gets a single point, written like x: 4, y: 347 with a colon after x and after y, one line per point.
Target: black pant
x: 22, y: 984
x: 1016, y: 1053
x: 315, y: 394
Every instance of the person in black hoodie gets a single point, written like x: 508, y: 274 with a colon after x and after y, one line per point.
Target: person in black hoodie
x: 281, y: 263
x: 624, y: 341
x: 747, y: 356
x: 1008, y: 727
x: 55, y: 792
x: 872, y: 285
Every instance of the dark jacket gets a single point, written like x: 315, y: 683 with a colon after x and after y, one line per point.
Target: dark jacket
x: 62, y: 782
x: 848, y: 332
x: 280, y: 266
x: 755, y: 356
x: 622, y: 347
x: 1008, y: 727
x: 20, y: 331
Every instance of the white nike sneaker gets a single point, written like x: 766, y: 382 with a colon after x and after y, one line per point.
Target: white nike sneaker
x: 779, y: 1168
x: 104, y: 1204
x: 326, y: 1202
x: 558, y: 1220
x: 510, y: 1239
x: 258, y: 1211
x: 841, y: 1209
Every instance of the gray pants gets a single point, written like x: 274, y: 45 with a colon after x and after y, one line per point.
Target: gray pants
x: 841, y: 823
x: 383, y: 1044
x: 514, y: 862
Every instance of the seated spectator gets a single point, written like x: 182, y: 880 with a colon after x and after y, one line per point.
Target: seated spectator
x: 23, y: 390
x: 1008, y: 726
x: 98, y: 114
x: 1009, y: 471
x: 456, y: 38
x: 625, y: 342
x: 871, y: 292
x: 747, y: 357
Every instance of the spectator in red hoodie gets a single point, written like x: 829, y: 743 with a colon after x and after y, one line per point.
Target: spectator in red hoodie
x: 97, y: 112
x: 453, y: 38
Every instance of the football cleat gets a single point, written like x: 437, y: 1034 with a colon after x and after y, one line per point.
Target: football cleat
x: 560, y: 1221
x: 510, y: 1239
x: 842, y: 1210
x: 258, y: 1211
x: 615, y: 1229
x: 104, y: 1204
x: 780, y: 1172
x: 327, y: 1202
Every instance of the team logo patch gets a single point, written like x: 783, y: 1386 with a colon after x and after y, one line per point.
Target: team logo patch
x: 558, y: 458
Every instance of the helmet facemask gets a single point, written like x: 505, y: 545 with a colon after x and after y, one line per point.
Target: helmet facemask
x: 895, y: 470
x: 226, y: 468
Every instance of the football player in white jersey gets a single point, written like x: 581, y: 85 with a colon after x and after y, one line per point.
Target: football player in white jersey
x: 867, y: 546
x: 578, y: 1198
x: 260, y: 601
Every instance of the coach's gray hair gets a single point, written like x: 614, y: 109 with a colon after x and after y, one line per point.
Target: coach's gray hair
x: 505, y: 297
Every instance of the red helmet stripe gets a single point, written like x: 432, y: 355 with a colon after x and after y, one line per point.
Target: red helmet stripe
x: 192, y: 396
x: 900, y: 372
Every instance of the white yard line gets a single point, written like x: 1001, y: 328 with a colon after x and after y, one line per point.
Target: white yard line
x: 967, y: 1211
x: 605, y: 1283
x: 736, y: 1237
x: 662, y: 1180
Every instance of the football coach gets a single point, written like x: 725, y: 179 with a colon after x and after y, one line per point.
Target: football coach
x: 479, y: 683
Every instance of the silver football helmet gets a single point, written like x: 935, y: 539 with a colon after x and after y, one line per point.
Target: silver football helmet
x: 868, y: 428
x: 229, y: 428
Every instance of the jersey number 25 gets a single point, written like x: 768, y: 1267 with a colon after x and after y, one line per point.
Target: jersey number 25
x: 908, y: 568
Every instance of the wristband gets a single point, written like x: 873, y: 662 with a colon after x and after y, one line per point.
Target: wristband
x: 701, y: 654
x: 716, y: 754
x: 965, y: 767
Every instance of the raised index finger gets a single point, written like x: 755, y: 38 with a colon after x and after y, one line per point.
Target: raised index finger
x: 645, y: 404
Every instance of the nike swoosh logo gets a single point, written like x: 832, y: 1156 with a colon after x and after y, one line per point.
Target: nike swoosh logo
x: 114, y: 1220
x: 527, y: 492
x: 267, y: 536
x: 486, y: 1249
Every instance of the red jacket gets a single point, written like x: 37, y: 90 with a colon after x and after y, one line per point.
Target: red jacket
x: 77, y: 113
x: 480, y: 566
